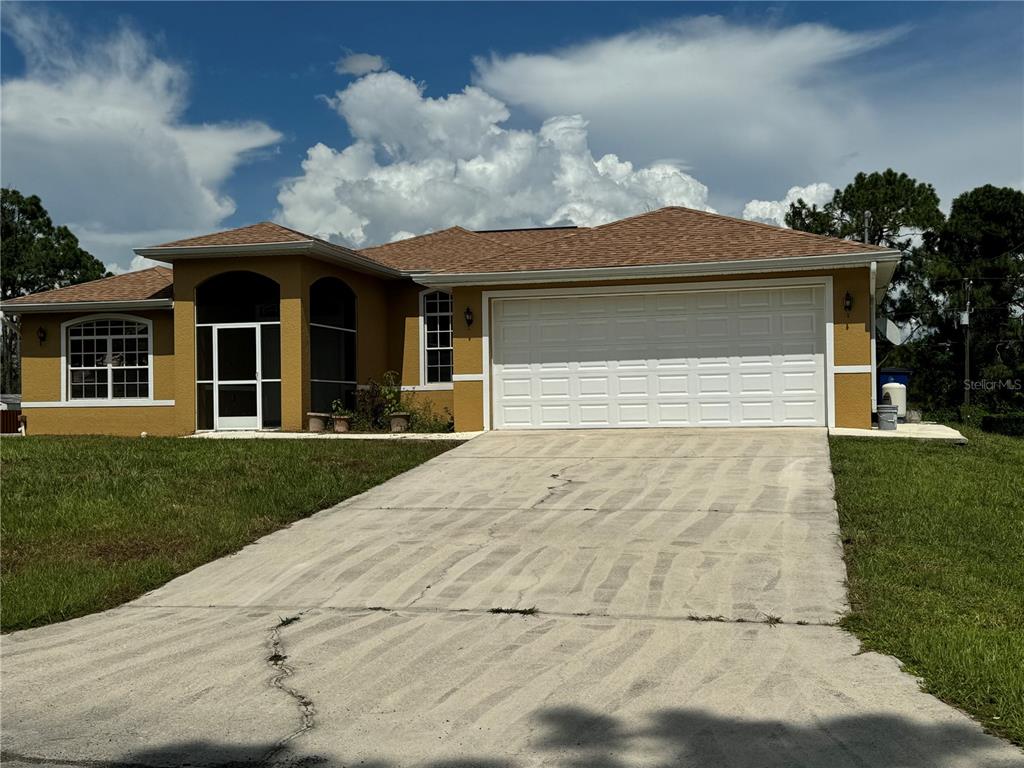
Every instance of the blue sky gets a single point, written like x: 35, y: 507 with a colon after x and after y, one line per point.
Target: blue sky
x: 141, y: 122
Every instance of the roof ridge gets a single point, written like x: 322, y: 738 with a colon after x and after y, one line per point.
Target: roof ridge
x: 286, y: 229
x: 436, y: 232
x: 763, y: 225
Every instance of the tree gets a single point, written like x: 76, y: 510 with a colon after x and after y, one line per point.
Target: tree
x: 980, y: 250
x: 900, y: 207
x: 35, y: 256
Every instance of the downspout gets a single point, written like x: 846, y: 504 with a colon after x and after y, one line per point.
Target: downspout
x: 873, y: 329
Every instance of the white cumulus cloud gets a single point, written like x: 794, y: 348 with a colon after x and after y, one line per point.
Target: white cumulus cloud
x: 96, y: 129
x: 746, y: 106
x: 419, y: 163
x: 774, y: 211
x: 359, y: 64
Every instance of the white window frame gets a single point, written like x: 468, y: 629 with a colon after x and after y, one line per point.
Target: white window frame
x: 65, y: 393
x: 437, y: 385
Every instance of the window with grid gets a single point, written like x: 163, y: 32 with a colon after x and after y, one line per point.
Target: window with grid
x: 437, y: 337
x: 108, y: 359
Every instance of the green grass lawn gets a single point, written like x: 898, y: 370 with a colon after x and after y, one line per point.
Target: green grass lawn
x: 934, y: 539
x: 90, y: 522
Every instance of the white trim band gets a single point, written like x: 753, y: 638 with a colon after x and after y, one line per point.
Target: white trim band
x: 120, y: 403
x: 467, y: 377
x: 853, y: 368
x: 441, y: 386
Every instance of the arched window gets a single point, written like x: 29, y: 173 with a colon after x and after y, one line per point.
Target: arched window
x: 238, y: 297
x: 108, y: 358
x: 332, y: 343
x: 436, y: 311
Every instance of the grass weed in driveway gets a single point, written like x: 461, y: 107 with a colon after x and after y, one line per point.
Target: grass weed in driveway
x: 91, y: 522
x: 934, y: 542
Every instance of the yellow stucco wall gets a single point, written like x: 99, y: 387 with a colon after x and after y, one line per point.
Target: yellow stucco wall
x: 388, y: 339
x: 41, y: 375
x: 853, y: 400
x: 294, y: 274
x: 468, y: 403
x: 851, y: 336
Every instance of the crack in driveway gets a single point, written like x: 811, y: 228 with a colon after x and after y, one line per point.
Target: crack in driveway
x: 282, y: 672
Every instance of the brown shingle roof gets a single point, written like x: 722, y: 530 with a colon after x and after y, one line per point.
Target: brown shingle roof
x: 666, y: 236
x: 443, y: 250
x: 519, y: 238
x: 152, y: 283
x: 448, y: 249
x: 254, y: 234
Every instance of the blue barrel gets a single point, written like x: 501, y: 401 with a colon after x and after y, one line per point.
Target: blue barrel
x: 886, y: 375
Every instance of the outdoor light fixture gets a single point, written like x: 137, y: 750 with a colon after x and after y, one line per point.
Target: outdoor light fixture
x: 468, y: 314
x: 41, y: 335
x: 848, y: 302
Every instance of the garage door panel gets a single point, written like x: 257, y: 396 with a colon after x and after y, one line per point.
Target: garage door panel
x: 706, y: 358
x: 553, y: 387
x: 512, y: 388
x: 633, y: 414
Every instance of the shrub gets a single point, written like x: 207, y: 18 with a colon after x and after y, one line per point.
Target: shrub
x: 379, y: 399
x: 1004, y: 424
x: 425, y: 419
x: 376, y: 402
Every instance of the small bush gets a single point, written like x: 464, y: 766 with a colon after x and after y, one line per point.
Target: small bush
x: 425, y: 419
x: 379, y: 399
x: 1004, y: 424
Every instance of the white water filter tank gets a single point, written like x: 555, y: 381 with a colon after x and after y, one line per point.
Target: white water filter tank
x: 897, y: 396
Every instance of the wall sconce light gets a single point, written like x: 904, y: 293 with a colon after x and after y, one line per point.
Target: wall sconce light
x: 468, y: 315
x: 848, y: 302
x: 41, y: 335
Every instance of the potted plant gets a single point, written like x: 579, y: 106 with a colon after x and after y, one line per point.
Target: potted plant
x: 341, y: 416
x: 391, y: 392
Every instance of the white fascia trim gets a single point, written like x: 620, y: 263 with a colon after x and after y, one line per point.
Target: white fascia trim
x: 468, y: 377
x: 124, y: 403
x: 327, y: 252
x: 90, y: 306
x: 779, y: 282
x: 854, y: 368
x: 747, y: 266
x: 441, y: 386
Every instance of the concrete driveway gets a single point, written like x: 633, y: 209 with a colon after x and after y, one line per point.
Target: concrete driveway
x: 685, y: 584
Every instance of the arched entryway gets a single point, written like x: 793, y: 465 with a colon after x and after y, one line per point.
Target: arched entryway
x: 238, y: 352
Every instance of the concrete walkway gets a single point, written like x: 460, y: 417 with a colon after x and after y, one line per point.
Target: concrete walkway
x: 659, y: 561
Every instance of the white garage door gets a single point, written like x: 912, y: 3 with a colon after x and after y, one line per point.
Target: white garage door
x: 751, y: 357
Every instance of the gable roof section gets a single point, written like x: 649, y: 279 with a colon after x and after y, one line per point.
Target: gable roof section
x: 448, y: 249
x: 443, y: 250
x: 267, y: 238
x: 147, y: 285
x: 663, y: 237
x: 263, y: 233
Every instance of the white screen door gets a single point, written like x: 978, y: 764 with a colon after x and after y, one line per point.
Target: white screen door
x: 237, y: 395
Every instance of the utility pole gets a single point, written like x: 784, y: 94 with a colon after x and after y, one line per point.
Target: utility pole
x: 867, y: 225
x: 965, y: 321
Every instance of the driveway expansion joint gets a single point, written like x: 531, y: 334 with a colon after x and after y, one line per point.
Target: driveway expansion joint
x: 760, y: 619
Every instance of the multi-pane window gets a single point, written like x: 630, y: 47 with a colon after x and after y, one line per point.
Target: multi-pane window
x: 108, y: 359
x: 437, y: 337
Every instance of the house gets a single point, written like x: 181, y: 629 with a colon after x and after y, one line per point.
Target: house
x: 675, y: 317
